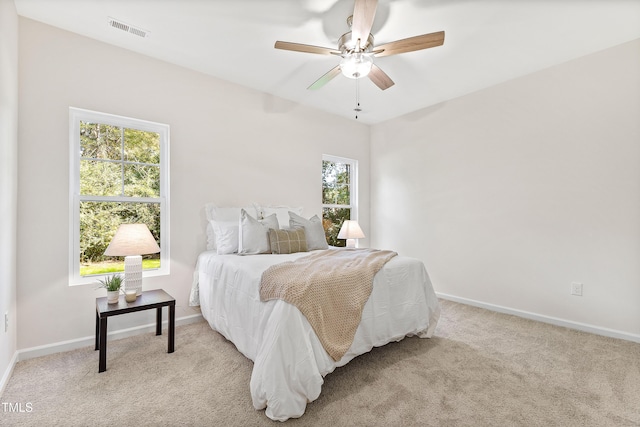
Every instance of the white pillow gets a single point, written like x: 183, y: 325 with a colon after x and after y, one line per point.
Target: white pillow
x: 226, y: 233
x: 312, y: 229
x: 211, y: 237
x: 282, y: 212
x: 254, y: 235
x: 217, y: 213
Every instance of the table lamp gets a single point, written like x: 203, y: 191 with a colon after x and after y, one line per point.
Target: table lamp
x: 131, y: 241
x: 351, y: 231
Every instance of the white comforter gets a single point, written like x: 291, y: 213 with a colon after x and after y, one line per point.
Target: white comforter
x: 289, y: 361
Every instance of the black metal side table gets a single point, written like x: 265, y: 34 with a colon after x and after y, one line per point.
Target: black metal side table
x: 147, y: 300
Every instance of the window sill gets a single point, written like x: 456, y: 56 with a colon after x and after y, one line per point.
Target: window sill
x: 93, y: 279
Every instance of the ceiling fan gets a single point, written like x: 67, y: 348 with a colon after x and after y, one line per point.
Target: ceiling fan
x: 357, y: 49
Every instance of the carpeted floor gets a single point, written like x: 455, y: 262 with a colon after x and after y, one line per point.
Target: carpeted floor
x: 481, y: 369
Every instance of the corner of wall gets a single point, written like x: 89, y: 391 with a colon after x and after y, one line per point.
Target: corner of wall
x: 7, y: 373
x: 8, y: 185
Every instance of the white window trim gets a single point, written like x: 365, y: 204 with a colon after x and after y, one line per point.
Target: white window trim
x: 353, y: 191
x: 76, y: 115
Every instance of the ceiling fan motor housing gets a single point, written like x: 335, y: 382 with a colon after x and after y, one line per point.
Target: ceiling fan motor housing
x: 347, y: 46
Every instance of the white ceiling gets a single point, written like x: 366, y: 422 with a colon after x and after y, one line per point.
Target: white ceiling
x: 486, y: 42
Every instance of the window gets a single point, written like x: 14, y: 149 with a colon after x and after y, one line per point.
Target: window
x: 119, y: 174
x: 339, y: 195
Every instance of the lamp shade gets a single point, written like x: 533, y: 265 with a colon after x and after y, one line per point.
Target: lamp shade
x: 350, y: 230
x: 132, y: 239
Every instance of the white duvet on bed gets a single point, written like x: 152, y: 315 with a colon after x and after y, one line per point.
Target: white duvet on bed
x: 289, y: 361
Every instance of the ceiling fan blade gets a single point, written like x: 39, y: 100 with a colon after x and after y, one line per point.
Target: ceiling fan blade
x: 424, y: 41
x: 326, y: 78
x: 380, y: 78
x: 363, y: 14
x: 297, y: 47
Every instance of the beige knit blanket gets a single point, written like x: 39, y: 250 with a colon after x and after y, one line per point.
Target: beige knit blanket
x: 330, y: 288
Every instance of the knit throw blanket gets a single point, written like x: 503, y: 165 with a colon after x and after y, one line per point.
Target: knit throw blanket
x: 330, y: 288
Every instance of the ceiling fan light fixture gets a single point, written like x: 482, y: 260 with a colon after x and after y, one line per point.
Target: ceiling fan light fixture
x: 356, y: 65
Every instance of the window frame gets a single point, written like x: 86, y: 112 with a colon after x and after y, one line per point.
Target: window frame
x: 76, y: 115
x: 353, y: 190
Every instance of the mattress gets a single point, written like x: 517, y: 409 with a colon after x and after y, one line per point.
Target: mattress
x: 289, y: 360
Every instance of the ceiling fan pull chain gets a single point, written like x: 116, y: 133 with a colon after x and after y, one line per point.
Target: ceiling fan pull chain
x: 357, y: 109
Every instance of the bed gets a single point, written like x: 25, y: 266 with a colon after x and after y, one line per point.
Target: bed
x: 289, y: 360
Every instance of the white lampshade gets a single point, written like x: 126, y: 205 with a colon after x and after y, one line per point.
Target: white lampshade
x: 350, y: 230
x: 356, y: 65
x: 131, y: 241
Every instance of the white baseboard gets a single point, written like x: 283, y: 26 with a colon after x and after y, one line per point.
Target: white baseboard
x: 58, y: 347
x: 8, y: 372
x: 612, y: 333
x: 43, y: 350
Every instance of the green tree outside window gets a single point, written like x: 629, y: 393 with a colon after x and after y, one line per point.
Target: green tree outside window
x: 337, y: 198
x: 122, y: 163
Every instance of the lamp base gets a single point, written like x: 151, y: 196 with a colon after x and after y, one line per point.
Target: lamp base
x: 351, y: 243
x: 133, y: 273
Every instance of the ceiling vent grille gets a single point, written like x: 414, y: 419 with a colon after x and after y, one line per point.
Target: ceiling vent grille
x: 128, y: 28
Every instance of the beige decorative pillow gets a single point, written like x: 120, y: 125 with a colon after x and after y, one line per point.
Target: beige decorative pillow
x: 287, y: 241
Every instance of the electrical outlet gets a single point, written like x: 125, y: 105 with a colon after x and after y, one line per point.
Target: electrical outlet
x: 576, y: 289
x: 6, y: 321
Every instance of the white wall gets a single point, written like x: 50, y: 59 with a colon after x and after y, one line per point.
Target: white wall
x: 512, y: 193
x: 8, y: 182
x: 229, y: 144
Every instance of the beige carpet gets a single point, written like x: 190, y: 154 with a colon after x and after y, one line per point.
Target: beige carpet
x: 481, y: 369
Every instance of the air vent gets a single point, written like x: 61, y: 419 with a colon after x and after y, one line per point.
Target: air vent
x: 128, y: 28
